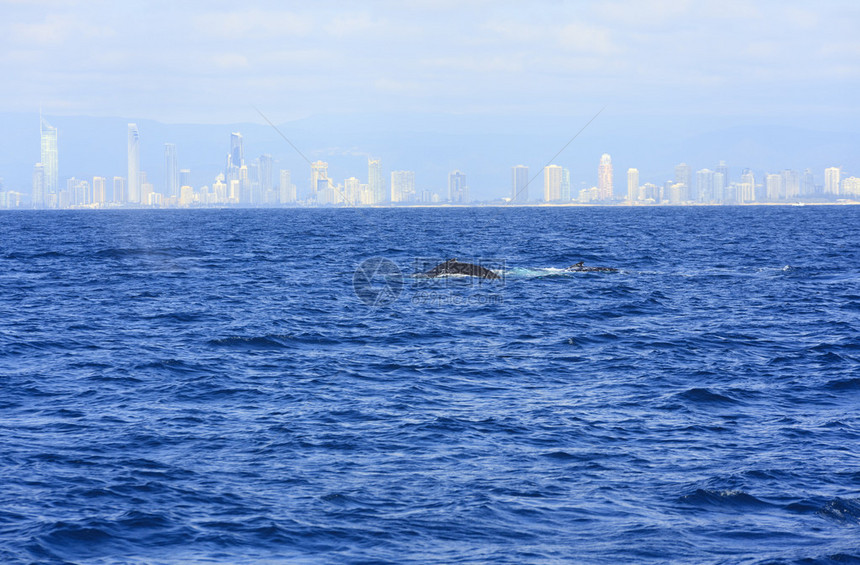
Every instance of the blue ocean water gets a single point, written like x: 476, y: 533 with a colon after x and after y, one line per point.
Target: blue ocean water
x: 212, y: 386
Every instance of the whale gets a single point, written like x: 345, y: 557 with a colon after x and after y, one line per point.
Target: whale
x: 455, y: 267
x: 581, y: 268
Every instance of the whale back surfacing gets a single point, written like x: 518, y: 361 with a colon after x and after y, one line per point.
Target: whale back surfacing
x: 455, y: 267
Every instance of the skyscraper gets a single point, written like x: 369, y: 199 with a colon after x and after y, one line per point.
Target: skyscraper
x: 38, y: 194
x: 134, y: 194
x: 721, y: 183
x: 375, y: 181
x: 119, y: 193
x: 171, y: 171
x: 402, y: 186
x: 774, y: 187
x: 287, y: 192
x: 684, y: 177
x: 747, y: 187
x: 791, y: 184
x: 808, y: 183
x: 49, y: 156
x: 831, y: 180
x: 520, y: 184
x: 552, y: 183
x: 319, y: 172
x: 267, y: 181
x: 99, y: 191
x: 565, y: 185
x: 704, y: 185
x: 632, y: 185
x: 604, y: 178
x: 457, y: 189
x: 237, y: 153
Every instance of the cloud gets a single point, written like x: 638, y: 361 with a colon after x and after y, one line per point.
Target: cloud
x: 54, y: 30
x: 583, y: 38
x: 254, y: 24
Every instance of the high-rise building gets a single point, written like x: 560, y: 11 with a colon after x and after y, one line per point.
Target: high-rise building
x: 49, y: 156
x: 184, y: 178
x: 565, y: 185
x: 632, y: 185
x: 604, y: 178
x: 720, y: 187
x: 134, y: 194
x: 402, y: 186
x: 319, y: 172
x: 287, y: 190
x: 808, y: 187
x: 237, y: 153
x: 552, y: 183
x: 38, y: 194
x: 119, y: 194
x: 704, y: 185
x: 747, y: 187
x: 851, y: 187
x: 831, y: 180
x: 267, y: 181
x: 99, y: 191
x: 520, y: 184
x: 684, y: 176
x: 791, y: 184
x: 375, y: 181
x: 457, y: 190
x: 774, y: 187
x: 171, y: 171
x: 724, y: 169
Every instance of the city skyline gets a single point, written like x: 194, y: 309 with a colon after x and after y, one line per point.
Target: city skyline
x: 253, y: 184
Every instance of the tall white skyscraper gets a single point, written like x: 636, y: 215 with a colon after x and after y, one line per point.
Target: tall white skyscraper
x: 457, y: 190
x: 684, y: 177
x: 119, y: 191
x: 49, y: 156
x: 99, y: 190
x: 171, y: 171
x: 565, y: 185
x: 774, y: 187
x: 704, y: 185
x: 375, y: 181
x: 520, y: 184
x: 747, y: 187
x: 319, y: 180
x: 831, y: 180
x: 287, y: 190
x: 632, y: 185
x: 552, y: 183
x: 604, y: 178
x: 38, y: 194
x: 237, y: 151
x: 791, y: 184
x: 267, y: 180
x: 134, y: 194
x: 808, y: 183
x: 402, y: 186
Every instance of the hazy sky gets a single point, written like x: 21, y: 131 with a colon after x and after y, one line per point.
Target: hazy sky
x: 210, y: 62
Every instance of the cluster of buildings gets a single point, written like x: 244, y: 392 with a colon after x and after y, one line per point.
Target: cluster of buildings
x: 717, y: 187
x: 257, y: 183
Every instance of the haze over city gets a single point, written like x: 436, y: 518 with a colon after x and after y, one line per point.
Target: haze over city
x: 433, y: 88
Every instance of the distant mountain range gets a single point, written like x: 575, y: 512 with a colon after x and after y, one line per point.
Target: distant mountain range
x: 483, y: 147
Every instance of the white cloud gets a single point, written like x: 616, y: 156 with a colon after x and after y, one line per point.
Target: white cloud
x: 583, y: 38
x: 254, y: 24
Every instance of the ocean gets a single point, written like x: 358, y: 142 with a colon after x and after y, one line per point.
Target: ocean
x: 277, y: 386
